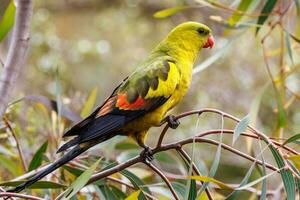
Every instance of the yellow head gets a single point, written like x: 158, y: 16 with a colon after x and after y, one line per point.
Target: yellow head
x: 187, y: 39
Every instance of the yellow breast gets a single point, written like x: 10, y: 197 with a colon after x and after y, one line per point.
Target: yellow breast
x: 182, y: 78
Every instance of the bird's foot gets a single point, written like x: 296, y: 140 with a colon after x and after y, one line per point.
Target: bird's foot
x: 147, y: 154
x: 172, y: 121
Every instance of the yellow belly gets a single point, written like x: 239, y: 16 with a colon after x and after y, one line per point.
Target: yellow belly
x: 156, y: 116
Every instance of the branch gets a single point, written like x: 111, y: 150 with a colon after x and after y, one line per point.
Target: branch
x: 23, y: 196
x: 160, y: 147
x: 17, y: 51
x: 155, y: 169
x: 227, y: 131
x: 176, y: 146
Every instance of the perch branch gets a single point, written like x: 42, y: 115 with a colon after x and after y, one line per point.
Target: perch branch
x: 160, y: 147
x: 155, y: 169
x: 176, y: 146
x: 226, y: 115
x: 227, y: 131
x: 23, y: 196
x: 17, y: 51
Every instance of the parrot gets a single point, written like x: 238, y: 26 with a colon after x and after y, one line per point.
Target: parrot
x: 140, y: 101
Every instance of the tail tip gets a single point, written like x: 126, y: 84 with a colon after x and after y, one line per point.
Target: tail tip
x: 60, y: 149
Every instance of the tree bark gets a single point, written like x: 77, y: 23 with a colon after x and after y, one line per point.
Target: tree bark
x: 17, y: 51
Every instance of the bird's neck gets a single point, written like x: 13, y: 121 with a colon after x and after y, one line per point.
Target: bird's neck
x: 181, y: 50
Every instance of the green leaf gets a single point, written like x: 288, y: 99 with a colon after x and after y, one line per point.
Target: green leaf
x: 213, y: 168
x: 110, y: 165
x: 298, y: 185
x: 80, y: 181
x: 38, y: 157
x: 211, y: 180
x: 100, y: 192
x: 235, y: 193
x: 296, y: 160
x: 109, y: 194
x: 134, y: 195
x: 287, y: 177
x: 36, y: 185
x: 179, y: 188
x: 241, y: 127
x: 120, y: 194
x: 288, y: 46
x: 136, y: 182
x: 297, y: 2
x: 89, y: 105
x: 263, y: 194
x: 8, y: 164
x: 169, y: 11
x: 8, y: 19
x: 293, y: 167
x: 267, y: 9
x: 292, y: 139
x: 281, y: 112
x: 192, y: 190
x: 189, y: 186
x: 236, y: 16
x: 6, y: 152
x: 72, y: 170
x: 256, y: 181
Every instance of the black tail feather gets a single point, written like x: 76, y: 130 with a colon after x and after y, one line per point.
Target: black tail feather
x: 66, y: 158
x: 68, y: 144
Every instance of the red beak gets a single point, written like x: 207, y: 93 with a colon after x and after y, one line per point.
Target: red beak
x: 210, y: 42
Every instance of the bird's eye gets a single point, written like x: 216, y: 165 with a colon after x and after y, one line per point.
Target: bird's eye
x: 201, y: 31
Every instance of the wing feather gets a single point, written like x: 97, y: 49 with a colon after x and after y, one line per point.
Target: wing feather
x: 144, y: 91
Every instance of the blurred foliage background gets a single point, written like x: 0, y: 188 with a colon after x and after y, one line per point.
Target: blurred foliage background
x: 81, y: 50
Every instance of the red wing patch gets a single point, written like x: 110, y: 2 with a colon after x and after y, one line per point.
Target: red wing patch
x: 107, y: 107
x: 123, y: 103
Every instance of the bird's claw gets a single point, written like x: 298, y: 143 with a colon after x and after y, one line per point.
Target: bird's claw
x: 172, y: 121
x: 147, y: 154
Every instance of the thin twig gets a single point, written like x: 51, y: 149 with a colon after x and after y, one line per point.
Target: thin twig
x: 187, y: 157
x: 31, y: 173
x: 293, y: 93
x: 227, y: 131
x: 155, y: 169
x: 176, y: 145
x: 239, y: 12
x: 250, y: 189
x: 226, y: 115
x: 11, y: 130
x: 115, y: 169
x: 23, y: 196
x: 162, y: 135
x: 110, y: 178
